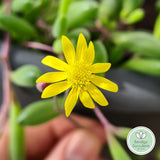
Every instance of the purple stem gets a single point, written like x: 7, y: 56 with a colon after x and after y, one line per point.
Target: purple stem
x: 40, y: 46
x: 104, y: 32
x: 7, y: 4
x: 5, y: 81
x: 44, y: 25
x: 107, y: 125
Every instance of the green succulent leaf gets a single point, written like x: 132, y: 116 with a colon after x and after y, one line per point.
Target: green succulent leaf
x: 75, y: 33
x: 101, y: 55
x: 134, y: 16
x: 17, y: 27
x: 81, y: 12
x: 122, y: 132
x: 64, y: 5
x: 60, y: 26
x: 57, y: 46
x: 108, y: 12
x: 116, y: 54
x: 17, y: 142
x: 139, y: 42
x: 50, y: 11
x: 156, y: 30
x: 147, y: 66
x: 29, y: 9
x: 26, y: 75
x: 129, y: 6
x: 25, y: 6
x: 2, y: 9
x: 116, y: 150
x: 38, y: 112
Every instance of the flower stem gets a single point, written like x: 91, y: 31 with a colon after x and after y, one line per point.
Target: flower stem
x: 75, y: 122
x: 41, y: 46
x: 56, y: 107
x: 43, y: 25
x: 7, y: 4
x: 107, y: 125
x: 5, y: 81
x: 7, y: 90
x: 109, y: 128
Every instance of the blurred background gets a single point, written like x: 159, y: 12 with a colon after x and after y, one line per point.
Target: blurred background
x: 125, y: 33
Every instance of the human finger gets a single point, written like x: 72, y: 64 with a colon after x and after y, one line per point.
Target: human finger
x: 39, y: 139
x: 80, y: 144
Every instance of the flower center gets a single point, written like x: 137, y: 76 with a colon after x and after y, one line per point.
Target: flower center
x: 79, y: 75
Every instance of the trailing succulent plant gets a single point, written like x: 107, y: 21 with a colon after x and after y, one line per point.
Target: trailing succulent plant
x: 84, y: 37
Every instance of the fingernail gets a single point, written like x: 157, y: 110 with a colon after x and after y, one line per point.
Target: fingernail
x: 82, y: 145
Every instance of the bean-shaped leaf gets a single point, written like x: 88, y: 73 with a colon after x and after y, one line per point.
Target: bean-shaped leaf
x: 81, y: 12
x: 17, y: 144
x: 30, y: 9
x: 156, y: 31
x: 37, y: 113
x: 25, y: 6
x: 26, y: 75
x: 57, y: 46
x: 108, y: 11
x: 139, y: 42
x: 101, y: 55
x: 116, y: 150
x: 75, y: 33
x: 17, y: 27
x: 116, y: 54
x: 134, y: 16
x: 147, y: 66
x: 59, y: 26
x: 64, y: 5
x: 128, y: 6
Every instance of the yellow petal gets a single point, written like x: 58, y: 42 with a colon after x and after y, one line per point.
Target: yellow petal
x: 55, y: 63
x: 88, y: 57
x: 51, y: 77
x: 68, y: 50
x: 55, y: 89
x: 97, y: 95
x: 81, y: 47
x: 86, y: 99
x: 71, y: 101
x: 100, y: 67
x: 104, y: 83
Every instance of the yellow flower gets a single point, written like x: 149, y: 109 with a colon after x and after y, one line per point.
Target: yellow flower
x: 78, y: 75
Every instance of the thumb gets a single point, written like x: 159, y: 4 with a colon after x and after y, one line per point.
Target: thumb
x: 78, y: 145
